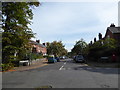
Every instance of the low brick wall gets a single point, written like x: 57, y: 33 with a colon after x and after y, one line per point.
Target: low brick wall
x: 38, y: 60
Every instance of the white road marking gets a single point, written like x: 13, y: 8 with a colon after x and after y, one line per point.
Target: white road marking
x: 65, y: 63
x: 62, y: 68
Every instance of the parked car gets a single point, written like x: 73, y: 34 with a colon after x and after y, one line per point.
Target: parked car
x: 58, y: 59
x: 24, y: 63
x: 80, y: 58
x: 51, y: 60
x: 66, y: 57
x: 63, y: 57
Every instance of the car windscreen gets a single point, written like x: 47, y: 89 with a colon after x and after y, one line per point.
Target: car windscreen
x: 80, y: 56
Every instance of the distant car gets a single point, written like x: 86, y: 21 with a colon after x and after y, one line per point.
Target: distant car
x: 63, y: 57
x: 80, y: 58
x: 58, y: 59
x: 51, y: 60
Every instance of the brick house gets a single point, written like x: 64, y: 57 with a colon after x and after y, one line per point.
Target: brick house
x: 113, y: 32
x: 37, y: 47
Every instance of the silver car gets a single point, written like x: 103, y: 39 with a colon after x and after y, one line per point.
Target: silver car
x: 80, y: 58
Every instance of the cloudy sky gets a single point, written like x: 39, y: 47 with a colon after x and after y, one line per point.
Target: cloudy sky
x: 71, y: 21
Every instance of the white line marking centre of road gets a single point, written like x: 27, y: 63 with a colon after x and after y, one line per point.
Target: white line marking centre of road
x: 62, y: 67
x: 65, y: 63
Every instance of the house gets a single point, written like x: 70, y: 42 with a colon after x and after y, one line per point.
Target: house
x: 113, y: 32
x: 37, y: 47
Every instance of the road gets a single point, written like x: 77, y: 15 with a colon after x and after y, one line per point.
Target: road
x: 64, y: 74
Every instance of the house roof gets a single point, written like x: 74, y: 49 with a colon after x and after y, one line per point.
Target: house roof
x: 114, y: 29
x: 35, y: 43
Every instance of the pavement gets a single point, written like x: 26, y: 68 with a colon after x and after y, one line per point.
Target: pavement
x: 35, y: 64
x: 64, y: 74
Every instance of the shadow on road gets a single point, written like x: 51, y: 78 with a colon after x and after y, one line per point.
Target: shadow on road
x: 99, y: 69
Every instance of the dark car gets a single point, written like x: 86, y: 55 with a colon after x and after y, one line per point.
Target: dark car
x: 58, y: 59
x: 80, y: 58
x: 51, y: 60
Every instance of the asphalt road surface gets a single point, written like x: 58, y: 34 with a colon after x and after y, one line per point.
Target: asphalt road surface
x: 64, y: 74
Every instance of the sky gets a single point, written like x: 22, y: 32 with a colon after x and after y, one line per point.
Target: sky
x: 71, y: 21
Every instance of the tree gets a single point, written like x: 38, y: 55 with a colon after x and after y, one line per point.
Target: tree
x: 110, y: 43
x: 56, y: 48
x: 79, y: 47
x: 102, y: 48
x: 16, y: 17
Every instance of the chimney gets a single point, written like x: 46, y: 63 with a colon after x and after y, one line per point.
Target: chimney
x: 100, y: 36
x: 112, y: 25
x: 91, y: 42
x: 94, y: 39
x: 44, y: 44
x: 38, y: 41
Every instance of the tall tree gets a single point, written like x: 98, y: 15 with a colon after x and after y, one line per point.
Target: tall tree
x: 79, y: 47
x: 56, y: 48
x: 16, y: 17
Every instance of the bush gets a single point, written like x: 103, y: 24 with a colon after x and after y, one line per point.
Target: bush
x: 15, y: 63
x: 7, y: 66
